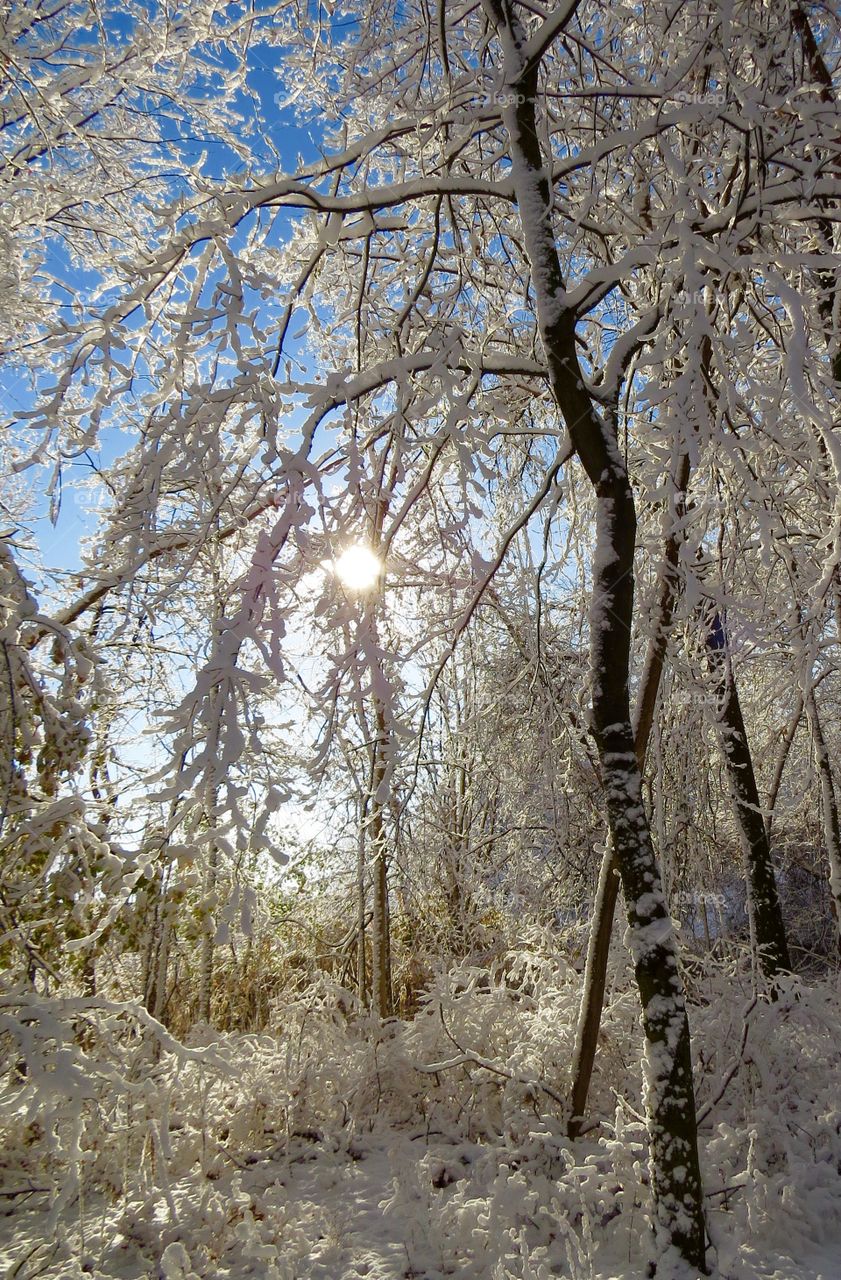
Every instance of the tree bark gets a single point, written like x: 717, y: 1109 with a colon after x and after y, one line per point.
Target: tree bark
x: 156, y: 958
x: 380, y: 930
x: 829, y: 804
x: 604, y: 906
x: 829, y: 279
x: 780, y: 762
x: 766, y: 917
x: 676, y: 1180
x: 208, y: 938
x: 361, y: 931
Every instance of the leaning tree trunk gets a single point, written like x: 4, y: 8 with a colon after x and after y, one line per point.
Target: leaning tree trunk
x: 783, y: 751
x: 607, y: 892
x: 766, y: 918
x: 829, y: 804
x: 762, y: 887
x: 676, y: 1180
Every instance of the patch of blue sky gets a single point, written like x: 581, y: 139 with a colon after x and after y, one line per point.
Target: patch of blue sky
x: 276, y: 130
x: 63, y: 510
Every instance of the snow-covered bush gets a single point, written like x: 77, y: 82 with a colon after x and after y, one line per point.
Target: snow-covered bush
x: 429, y: 1147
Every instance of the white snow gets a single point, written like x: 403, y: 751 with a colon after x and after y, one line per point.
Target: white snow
x: 322, y: 1152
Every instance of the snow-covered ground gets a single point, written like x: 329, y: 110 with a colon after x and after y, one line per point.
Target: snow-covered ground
x: 334, y: 1149
x: 384, y: 1210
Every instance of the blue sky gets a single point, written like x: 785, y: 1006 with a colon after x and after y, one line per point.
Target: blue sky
x: 59, y: 538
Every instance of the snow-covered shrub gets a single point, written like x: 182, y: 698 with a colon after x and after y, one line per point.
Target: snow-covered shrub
x: 771, y: 1115
x: 87, y: 1094
x: 501, y: 1040
x: 438, y: 1143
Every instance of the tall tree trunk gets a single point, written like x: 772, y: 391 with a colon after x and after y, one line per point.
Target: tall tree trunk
x: 212, y: 777
x: 211, y: 871
x: 158, y: 1004
x: 766, y: 917
x: 829, y: 279
x: 361, y: 907
x: 156, y: 956
x: 676, y: 1180
x: 380, y: 929
x: 604, y: 906
x: 208, y: 938
x: 381, y: 768
x: 767, y: 922
x: 780, y: 762
x: 829, y: 804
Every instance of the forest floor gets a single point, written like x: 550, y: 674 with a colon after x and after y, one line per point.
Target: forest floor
x: 336, y: 1148
x: 384, y: 1209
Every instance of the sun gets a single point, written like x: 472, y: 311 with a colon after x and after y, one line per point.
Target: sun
x: 358, y: 568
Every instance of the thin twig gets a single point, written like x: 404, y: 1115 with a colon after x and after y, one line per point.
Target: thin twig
x: 466, y: 1056
x: 713, y: 1102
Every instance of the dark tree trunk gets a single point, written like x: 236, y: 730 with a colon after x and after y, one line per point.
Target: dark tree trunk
x: 766, y: 917
x: 676, y: 1180
x: 829, y: 804
x: 604, y: 906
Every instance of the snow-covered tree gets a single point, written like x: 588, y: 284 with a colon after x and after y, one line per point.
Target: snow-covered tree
x: 595, y: 242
